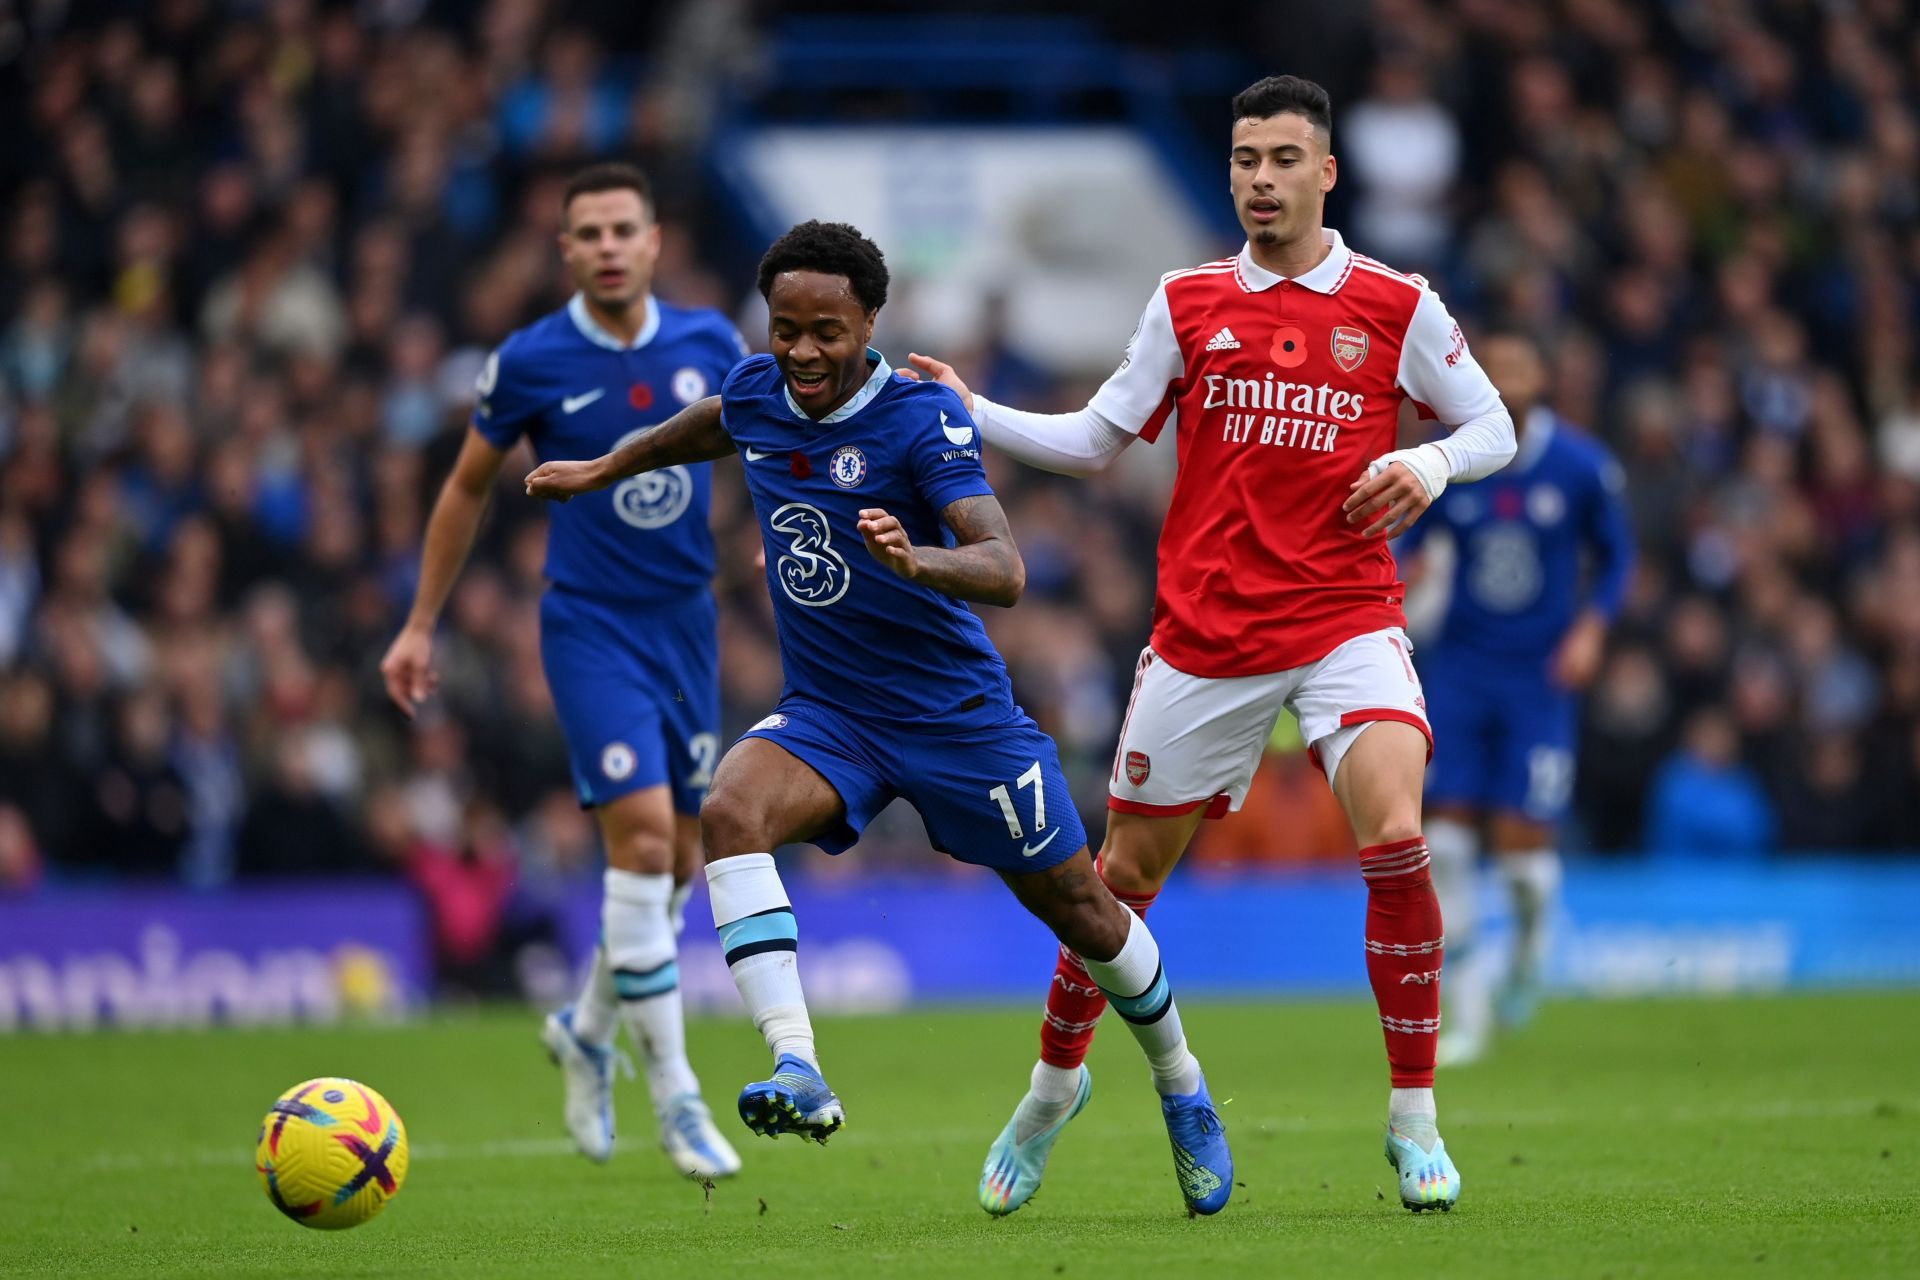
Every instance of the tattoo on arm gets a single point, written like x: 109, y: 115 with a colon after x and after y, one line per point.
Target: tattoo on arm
x: 985, y: 566
x: 695, y: 434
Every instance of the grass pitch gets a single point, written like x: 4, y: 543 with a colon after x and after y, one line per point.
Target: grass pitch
x: 1742, y: 1137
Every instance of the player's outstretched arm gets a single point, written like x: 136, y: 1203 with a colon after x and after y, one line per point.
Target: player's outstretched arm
x: 985, y: 567
x: 1068, y: 444
x: 695, y: 434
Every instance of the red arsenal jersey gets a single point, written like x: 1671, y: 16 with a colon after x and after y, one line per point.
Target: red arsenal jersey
x: 1279, y: 393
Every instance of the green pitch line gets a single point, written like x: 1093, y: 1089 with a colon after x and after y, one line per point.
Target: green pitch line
x: 1741, y: 1137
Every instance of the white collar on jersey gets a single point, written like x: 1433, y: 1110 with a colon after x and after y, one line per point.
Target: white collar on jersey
x: 871, y: 388
x: 1325, y: 278
x: 594, y: 332
x: 1534, y: 438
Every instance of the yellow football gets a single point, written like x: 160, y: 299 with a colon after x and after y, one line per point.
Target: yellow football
x: 331, y: 1153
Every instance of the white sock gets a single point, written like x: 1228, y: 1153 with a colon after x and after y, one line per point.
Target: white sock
x: 1137, y: 988
x: 1468, y: 991
x: 645, y: 963
x: 596, y: 1009
x: 1412, y: 1114
x: 1533, y: 881
x: 1052, y: 1091
x: 762, y: 944
x: 677, y: 907
x: 1454, y: 849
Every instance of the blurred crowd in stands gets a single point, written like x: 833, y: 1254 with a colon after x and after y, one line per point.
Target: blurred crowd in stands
x: 252, y: 257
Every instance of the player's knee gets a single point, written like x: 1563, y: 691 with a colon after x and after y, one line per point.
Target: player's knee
x: 1391, y: 827
x: 731, y: 823
x: 1126, y: 872
x: 641, y: 850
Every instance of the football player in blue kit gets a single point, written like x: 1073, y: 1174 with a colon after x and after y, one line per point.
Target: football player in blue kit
x: 1543, y: 553
x: 879, y: 525
x: 627, y: 631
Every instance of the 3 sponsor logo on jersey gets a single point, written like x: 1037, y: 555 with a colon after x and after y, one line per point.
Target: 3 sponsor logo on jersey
x: 811, y: 571
x: 848, y: 467
x: 653, y: 499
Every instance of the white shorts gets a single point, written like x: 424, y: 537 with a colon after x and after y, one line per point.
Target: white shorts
x: 1190, y: 741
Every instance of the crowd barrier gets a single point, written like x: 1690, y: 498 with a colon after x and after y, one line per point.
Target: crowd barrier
x: 318, y: 952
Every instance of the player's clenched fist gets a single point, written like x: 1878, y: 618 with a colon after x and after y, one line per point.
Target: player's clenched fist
x: 562, y: 480
x: 888, y: 542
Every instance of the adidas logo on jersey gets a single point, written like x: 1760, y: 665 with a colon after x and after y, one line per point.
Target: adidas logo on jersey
x: 1223, y: 341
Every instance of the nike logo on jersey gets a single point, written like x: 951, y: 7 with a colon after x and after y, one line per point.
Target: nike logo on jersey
x: 959, y: 435
x: 1029, y: 850
x: 752, y: 454
x: 574, y: 404
x: 1223, y: 341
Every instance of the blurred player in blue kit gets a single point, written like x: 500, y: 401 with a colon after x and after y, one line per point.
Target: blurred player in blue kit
x: 627, y: 631
x: 892, y: 687
x: 1543, y: 552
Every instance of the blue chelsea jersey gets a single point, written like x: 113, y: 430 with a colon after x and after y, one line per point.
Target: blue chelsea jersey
x: 853, y: 633
x: 1535, y: 542
x: 575, y: 391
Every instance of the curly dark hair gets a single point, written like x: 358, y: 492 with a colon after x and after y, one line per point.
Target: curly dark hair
x: 833, y: 249
x: 1285, y: 95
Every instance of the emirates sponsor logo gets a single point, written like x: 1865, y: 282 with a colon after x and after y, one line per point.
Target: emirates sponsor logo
x: 1304, y: 416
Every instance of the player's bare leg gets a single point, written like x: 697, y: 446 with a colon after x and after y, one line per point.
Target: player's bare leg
x: 763, y: 796
x: 1378, y: 782
x: 1529, y: 866
x: 1118, y: 957
x: 1453, y: 838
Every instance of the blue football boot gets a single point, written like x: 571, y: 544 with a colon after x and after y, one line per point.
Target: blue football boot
x: 795, y: 1100
x: 1201, y: 1160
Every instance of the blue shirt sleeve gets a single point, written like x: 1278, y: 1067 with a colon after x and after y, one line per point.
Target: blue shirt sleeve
x: 945, y: 461
x: 1609, y: 533
x: 504, y: 407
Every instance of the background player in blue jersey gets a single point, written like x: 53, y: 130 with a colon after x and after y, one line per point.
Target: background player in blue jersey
x: 627, y: 630
x: 1543, y: 551
x: 892, y: 687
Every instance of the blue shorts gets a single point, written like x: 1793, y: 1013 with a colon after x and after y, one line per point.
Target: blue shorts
x: 994, y: 797
x: 637, y: 691
x: 1501, y: 743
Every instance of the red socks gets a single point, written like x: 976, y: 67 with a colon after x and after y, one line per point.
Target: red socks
x: 1404, y: 945
x: 1074, y: 1003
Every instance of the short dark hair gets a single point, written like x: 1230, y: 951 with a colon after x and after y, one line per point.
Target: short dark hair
x: 832, y: 249
x: 1285, y: 95
x: 614, y: 175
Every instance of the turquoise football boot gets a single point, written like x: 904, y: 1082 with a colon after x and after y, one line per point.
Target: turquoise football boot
x: 1013, y: 1169
x: 1428, y: 1179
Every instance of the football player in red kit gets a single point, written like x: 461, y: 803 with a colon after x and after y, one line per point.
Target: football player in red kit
x: 1280, y: 373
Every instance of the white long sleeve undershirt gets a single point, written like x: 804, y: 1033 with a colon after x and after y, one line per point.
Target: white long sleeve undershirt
x: 1071, y: 444
x: 1479, y: 446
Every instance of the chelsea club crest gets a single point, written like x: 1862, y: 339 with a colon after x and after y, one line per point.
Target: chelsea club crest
x: 848, y: 467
